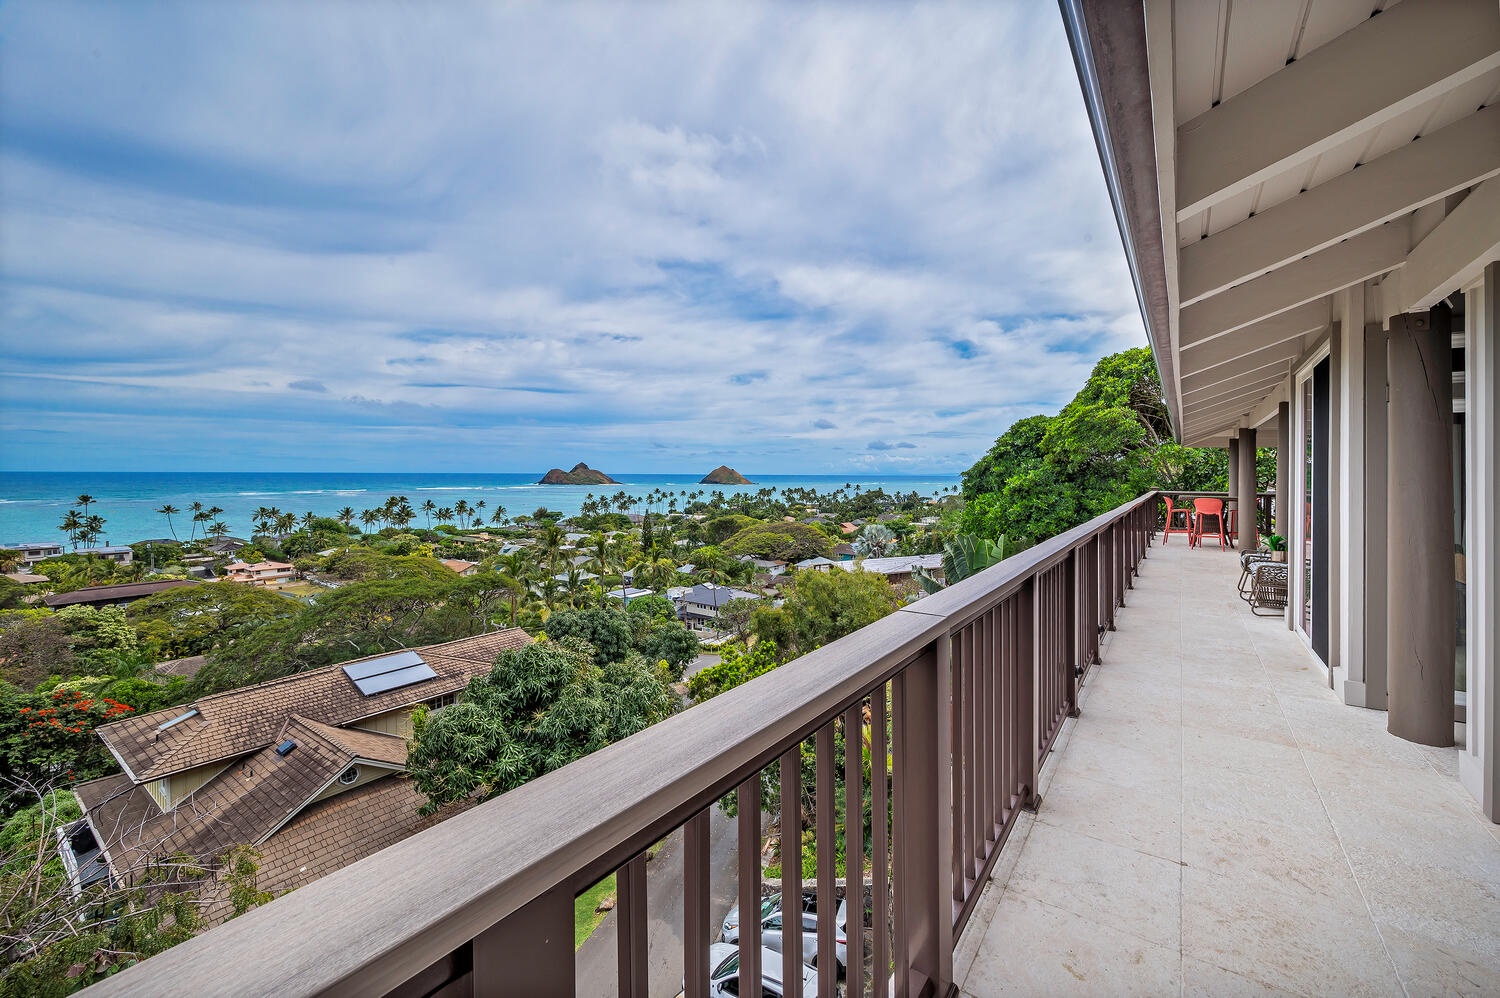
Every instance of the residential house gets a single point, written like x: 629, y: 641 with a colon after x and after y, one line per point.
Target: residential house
x: 627, y: 593
x: 307, y: 769
x: 844, y: 551
x: 117, y: 553
x: 818, y: 564
x: 898, y: 569
x: 460, y: 566
x: 699, y: 606
x: 32, y: 552
x: 225, y: 546
x: 119, y: 594
x: 261, y: 573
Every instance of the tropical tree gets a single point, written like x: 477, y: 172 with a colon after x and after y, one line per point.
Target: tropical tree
x: 876, y: 541
x: 462, y: 509
x: 498, y: 516
x: 168, y: 510
x: 346, y: 516
x: 428, y: 508
x: 72, y: 524
x: 368, y: 518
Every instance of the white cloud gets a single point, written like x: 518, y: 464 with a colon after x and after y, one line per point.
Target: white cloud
x: 517, y: 231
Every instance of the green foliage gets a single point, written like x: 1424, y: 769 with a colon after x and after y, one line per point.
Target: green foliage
x: 239, y: 869
x: 1112, y: 442
x: 193, y: 620
x: 721, y: 528
x: 606, y: 629
x: 615, y: 634
x: 820, y: 607
x: 99, y: 636
x: 737, y: 665
x: 780, y: 541
x: 540, y: 708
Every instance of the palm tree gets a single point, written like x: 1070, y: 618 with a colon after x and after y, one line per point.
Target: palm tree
x: 429, y: 507
x: 93, y: 526
x: 196, y: 507
x: 369, y: 518
x: 71, y: 524
x: 200, y: 516
x: 498, y: 516
x: 307, y: 521
x: 445, y: 514
x: 346, y: 516
x: 551, y: 544
x: 285, y: 524
x: 478, y: 511
x: 218, y: 529
x: 168, y: 510
x: 462, y: 509
x: 85, y: 501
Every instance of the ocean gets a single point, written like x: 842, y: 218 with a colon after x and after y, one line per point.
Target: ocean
x: 33, y: 503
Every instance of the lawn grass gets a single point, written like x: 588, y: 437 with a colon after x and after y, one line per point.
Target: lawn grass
x: 585, y: 918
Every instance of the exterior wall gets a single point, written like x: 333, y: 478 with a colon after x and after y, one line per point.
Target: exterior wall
x: 394, y: 722
x: 170, y: 791
x: 368, y: 773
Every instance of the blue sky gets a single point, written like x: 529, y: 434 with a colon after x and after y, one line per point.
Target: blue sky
x: 451, y: 237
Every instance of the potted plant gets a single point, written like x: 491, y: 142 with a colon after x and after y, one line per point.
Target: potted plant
x: 1276, y: 544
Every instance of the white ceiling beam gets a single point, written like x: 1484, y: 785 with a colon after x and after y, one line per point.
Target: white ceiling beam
x: 1456, y: 252
x: 1253, y: 361
x: 1449, y: 160
x: 1387, y: 65
x: 1287, y: 327
x: 1223, y: 378
x: 1246, y: 398
x: 1366, y: 255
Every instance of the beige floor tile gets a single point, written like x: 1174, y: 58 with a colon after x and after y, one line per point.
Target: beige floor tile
x: 1145, y: 822
x: 1128, y: 890
x: 1428, y: 900
x: 1032, y: 948
x: 1295, y: 941
x: 1439, y: 966
x: 1199, y: 978
x: 1271, y: 753
x: 1138, y: 769
x: 1260, y: 852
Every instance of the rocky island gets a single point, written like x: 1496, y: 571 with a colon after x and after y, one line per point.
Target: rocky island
x: 581, y: 474
x: 724, y: 475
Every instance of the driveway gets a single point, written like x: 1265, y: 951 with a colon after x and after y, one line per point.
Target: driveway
x: 598, y: 958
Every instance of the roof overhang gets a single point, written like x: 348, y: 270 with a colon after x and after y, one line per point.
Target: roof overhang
x: 1273, y: 166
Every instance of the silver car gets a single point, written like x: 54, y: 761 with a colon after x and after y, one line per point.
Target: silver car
x: 724, y: 978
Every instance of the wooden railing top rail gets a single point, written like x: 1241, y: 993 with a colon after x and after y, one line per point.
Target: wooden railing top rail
x: 378, y: 922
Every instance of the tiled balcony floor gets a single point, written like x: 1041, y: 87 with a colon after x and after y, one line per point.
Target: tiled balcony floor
x: 1218, y: 822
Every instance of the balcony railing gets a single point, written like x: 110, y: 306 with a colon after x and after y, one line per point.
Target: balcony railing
x: 959, y: 697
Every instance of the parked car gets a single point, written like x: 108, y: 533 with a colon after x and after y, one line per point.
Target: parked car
x: 724, y: 979
x: 730, y: 931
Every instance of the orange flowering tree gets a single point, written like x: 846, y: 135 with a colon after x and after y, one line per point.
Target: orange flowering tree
x: 48, y: 738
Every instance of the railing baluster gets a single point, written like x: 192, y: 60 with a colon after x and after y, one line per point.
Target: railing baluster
x: 826, y: 838
x: 790, y: 773
x: 956, y: 749
x: 630, y: 928
x: 695, y: 906
x: 974, y: 855
x: 748, y: 802
x: 880, y: 843
x: 543, y: 930
x: 854, y: 849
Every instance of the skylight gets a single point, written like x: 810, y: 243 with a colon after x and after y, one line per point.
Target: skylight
x: 389, y: 672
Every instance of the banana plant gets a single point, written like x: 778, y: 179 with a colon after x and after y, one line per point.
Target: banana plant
x: 963, y: 556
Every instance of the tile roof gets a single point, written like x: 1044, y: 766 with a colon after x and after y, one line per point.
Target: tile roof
x: 245, y: 803
x: 237, y: 722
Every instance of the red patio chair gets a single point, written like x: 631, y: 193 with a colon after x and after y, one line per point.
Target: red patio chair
x: 1203, y: 508
x: 1187, y: 521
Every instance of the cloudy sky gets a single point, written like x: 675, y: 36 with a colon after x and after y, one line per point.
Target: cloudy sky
x: 472, y: 236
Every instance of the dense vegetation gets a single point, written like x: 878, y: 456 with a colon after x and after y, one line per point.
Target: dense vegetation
x: 375, y: 581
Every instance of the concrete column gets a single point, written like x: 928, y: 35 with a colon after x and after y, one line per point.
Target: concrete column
x: 1285, y: 462
x: 1246, y: 537
x: 1420, y: 625
x: 1366, y: 685
x: 1479, y: 760
x: 1234, y: 466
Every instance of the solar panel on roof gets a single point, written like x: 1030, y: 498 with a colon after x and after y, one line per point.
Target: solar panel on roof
x: 389, y: 672
x: 395, y: 680
x: 385, y: 663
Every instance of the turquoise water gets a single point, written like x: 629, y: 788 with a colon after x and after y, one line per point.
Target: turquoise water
x: 33, y: 503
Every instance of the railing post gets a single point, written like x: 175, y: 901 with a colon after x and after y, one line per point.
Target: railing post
x: 630, y: 929
x: 530, y: 952
x: 923, y: 816
x: 1077, y: 648
x: 1031, y: 653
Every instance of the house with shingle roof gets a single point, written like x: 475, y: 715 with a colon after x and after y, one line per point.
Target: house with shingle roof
x: 308, y: 769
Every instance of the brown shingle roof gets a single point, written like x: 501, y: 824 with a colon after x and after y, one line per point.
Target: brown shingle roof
x: 110, y: 594
x: 244, y: 804
x: 231, y: 724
